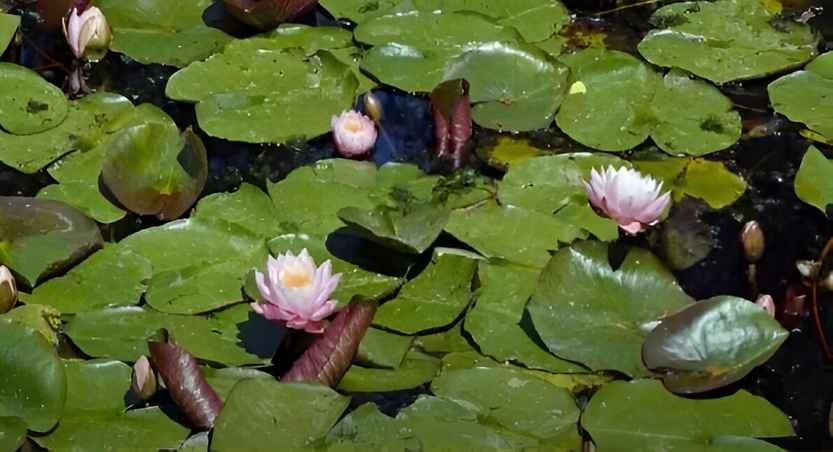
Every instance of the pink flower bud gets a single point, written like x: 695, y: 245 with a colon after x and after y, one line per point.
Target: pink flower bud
x: 144, y: 382
x: 87, y: 33
x: 767, y: 304
x: 8, y: 290
x: 354, y: 133
x: 632, y: 200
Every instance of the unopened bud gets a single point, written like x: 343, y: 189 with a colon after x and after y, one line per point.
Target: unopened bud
x: 87, y: 33
x: 373, y: 107
x: 766, y: 303
x: 808, y: 269
x: 752, y: 238
x: 143, y: 383
x: 8, y: 290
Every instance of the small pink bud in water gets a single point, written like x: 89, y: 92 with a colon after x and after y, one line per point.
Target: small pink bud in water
x: 87, y: 33
x: 631, y: 199
x: 354, y: 133
x: 8, y: 290
x: 144, y: 382
x: 767, y: 304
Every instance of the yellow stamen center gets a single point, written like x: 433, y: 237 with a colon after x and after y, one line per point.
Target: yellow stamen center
x: 295, y: 278
x: 353, y: 125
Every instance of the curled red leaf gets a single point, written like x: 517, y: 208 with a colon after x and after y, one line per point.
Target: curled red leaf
x: 267, y: 14
x: 185, y: 381
x: 452, y: 121
x: 330, y: 355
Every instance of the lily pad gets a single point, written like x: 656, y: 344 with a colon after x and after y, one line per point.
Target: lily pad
x: 162, y: 32
x: 508, y: 151
x: 608, y: 103
x: 223, y: 380
x: 12, y: 430
x: 358, y: 11
x: 515, y: 401
x: 111, y: 277
x: 260, y: 414
x: 258, y: 91
x: 46, y: 320
x: 693, y: 117
x: 433, y: 299
x: 34, y: 387
x: 726, y: 40
x: 813, y: 183
x: 30, y: 103
x: 41, y: 237
x: 661, y: 421
x: 494, y: 321
x: 416, y: 369
x: 586, y: 311
x: 708, y: 180
x: 248, y: 207
x: 8, y: 28
x: 122, y: 333
x: 411, y: 227
x: 382, y: 349
x: 804, y: 96
x: 712, y: 343
x: 525, y: 101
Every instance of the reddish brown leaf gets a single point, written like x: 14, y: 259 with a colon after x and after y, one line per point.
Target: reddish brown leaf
x: 185, y: 381
x: 331, y: 354
x: 267, y: 14
x: 452, y: 121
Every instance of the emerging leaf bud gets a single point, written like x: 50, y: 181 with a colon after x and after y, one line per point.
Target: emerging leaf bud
x: 752, y: 238
x: 8, y: 290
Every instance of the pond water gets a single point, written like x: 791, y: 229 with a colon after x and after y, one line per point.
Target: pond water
x: 507, y: 305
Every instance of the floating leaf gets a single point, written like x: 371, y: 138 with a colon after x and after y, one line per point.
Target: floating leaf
x: 223, y: 380
x: 329, y: 356
x: 526, y: 100
x: 162, y: 32
x: 508, y: 151
x: 43, y: 319
x: 12, y: 429
x: 726, y: 40
x: 586, y: 311
x: 40, y: 237
x: 708, y: 180
x: 665, y: 422
x: 30, y: 103
x: 433, y: 299
x: 248, y: 207
x: 382, y: 349
x: 122, y: 333
x: 813, y: 183
x: 358, y: 11
x: 803, y: 96
x: 240, y: 98
x: 34, y: 383
x: 185, y: 381
x: 417, y: 369
x: 493, y: 323
x: 260, y: 414
x: 411, y: 227
x: 8, y: 28
x: 267, y: 14
x: 448, y: 341
x: 111, y: 277
x: 711, y: 344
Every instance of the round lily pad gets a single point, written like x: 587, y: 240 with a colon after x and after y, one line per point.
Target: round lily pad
x: 30, y: 103
x: 805, y: 96
x: 814, y: 180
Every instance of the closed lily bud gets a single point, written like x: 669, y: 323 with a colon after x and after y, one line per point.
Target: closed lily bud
x: 87, y: 33
x: 766, y: 303
x: 752, y: 238
x: 144, y: 382
x: 8, y: 290
x: 354, y: 134
x: 373, y: 106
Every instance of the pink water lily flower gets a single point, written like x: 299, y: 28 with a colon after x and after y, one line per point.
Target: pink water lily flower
x: 87, y: 33
x: 354, y: 133
x: 631, y: 199
x: 296, y: 292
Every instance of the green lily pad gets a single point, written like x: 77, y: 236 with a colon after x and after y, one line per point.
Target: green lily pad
x: 588, y: 312
x: 608, y: 103
x: 726, y: 40
x: 712, y: 343
x: 508, y: 151
x: 433, y: 299
x: 693, y: 117
x: 30, y: 103
x: 162, y: 32
x: 358, y: 11
x: 642, y: 415
x: 493, y: 323
x: 223, y: 380
x: 260, y: 414
x: 248, y: 207
x: 355, y: 282
x: 411, y: 227
x: 416, y: 369
x: 40, y: 237
x: 8, y: 28
x: 382, y: 349
x: 111, y: 277
x: 412, y: 51
x: 494, y: 230
x: 708, y: 180
x: 240, y: 97
x: 515, y: 401
x: 46, y: 320
x: 803, y: 96
x: 34, y: 382
x: 448, y: 341
x: 152, y: 170
x: 526, y: 100
x: 12, y: 430
x: 813, y: 183
x: 122, y: 333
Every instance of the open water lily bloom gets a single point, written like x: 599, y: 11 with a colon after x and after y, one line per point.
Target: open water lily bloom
x: 631, y: 199
x: 354, y: 133
x: 296, y: 292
